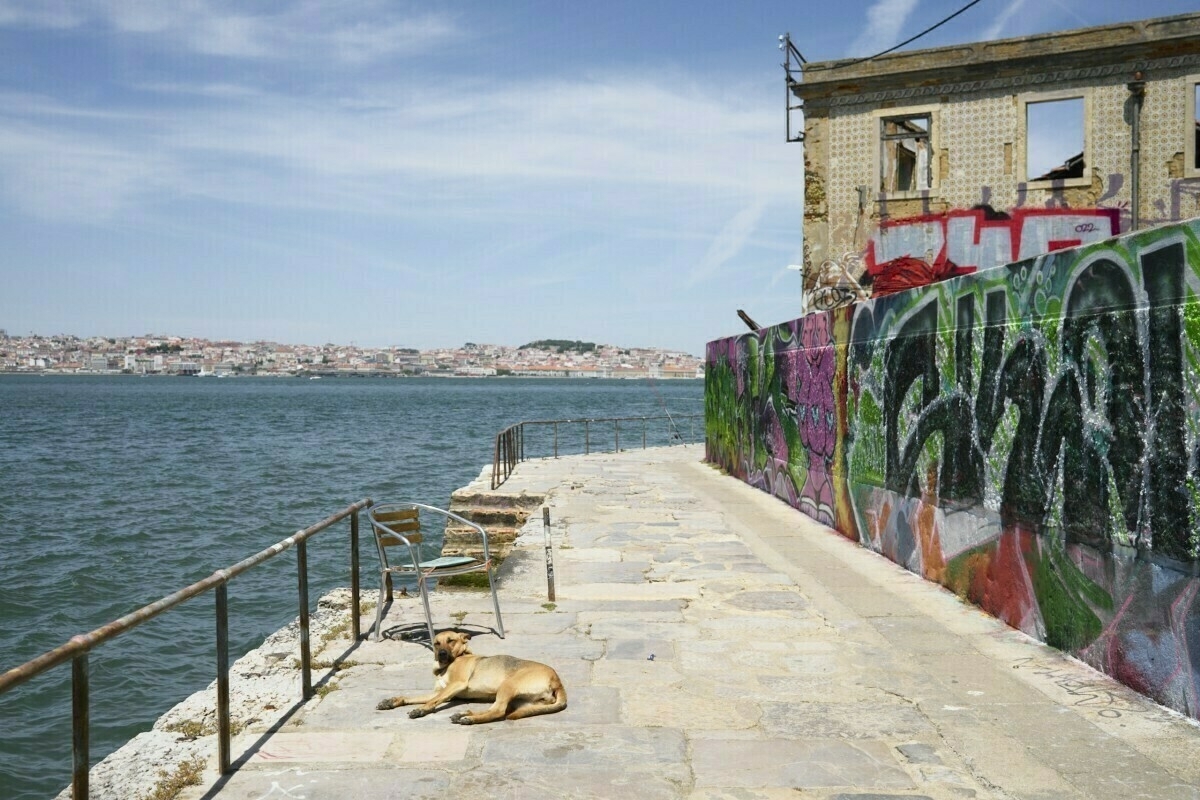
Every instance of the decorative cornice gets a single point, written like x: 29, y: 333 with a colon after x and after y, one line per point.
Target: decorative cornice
x: 1009, y: 82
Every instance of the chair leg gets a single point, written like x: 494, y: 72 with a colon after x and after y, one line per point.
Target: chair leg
x: 379, y: 606
x: 495, y: 603
x: 423, y: 586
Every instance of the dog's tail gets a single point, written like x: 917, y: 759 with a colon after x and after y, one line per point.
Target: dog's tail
x: 557, y: 702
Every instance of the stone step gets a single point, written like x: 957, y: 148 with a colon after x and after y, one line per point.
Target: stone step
x: 469, y: 497
x: 496, y: 535
x: 500, y: 513
x: 492, y: 516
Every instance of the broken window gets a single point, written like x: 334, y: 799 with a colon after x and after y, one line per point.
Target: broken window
x: 1054, y: 139
x: 1195, y: 126
x: 906, y: 153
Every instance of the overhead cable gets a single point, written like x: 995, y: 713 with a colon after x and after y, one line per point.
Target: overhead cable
x: 897, y: 47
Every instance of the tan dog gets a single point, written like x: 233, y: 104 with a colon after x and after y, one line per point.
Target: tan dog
x: 527, y: 687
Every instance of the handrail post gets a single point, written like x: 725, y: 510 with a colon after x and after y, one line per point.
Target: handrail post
x: 556, y: 438
x: 617, y: 435
x: 79, y: 727
x: 499, y: 459
x: 223, y: 727
x: 502, y: 456
x: 643, y: 433
x: 496, y: 459
x: 587, y: 438
x: 355, y: 622
x: 305, y: 649
x: 549, y: 555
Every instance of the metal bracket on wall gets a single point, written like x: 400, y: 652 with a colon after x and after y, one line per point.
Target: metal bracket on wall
x: 790, y: 52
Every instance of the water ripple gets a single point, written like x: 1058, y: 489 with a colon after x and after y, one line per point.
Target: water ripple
x: 115, y: 492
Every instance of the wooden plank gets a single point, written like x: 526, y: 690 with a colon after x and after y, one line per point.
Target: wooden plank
x: 404, y: 521
x: 389, y: 541
x: 393, y: 516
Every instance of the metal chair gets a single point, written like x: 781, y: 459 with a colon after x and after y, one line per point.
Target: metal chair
x: 398, y: 525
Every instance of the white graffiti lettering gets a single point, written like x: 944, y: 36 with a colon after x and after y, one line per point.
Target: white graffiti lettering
x: 972, y: 240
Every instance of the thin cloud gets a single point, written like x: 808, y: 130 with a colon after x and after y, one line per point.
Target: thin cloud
x: 226, y: 91
x: 40, y: 14
x: 351, y: 33
x: 885, y: 21
x: 728, y: 243
x: 998, y: 25
x: 610, y: 143
x: 62, y: 176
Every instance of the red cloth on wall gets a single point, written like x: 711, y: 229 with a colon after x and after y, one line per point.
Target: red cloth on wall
x: 907, y: 272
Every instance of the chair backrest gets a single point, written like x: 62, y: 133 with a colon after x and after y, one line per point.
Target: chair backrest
x: 396, y: 527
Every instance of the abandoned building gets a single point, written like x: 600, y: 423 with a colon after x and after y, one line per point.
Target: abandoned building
x: 925, y: 164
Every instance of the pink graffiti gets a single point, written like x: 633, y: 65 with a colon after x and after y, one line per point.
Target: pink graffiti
x: 815, y: 413
x: 980, y: 238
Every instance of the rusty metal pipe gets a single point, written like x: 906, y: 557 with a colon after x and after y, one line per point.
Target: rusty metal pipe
x: 80, y: 722
x: 305, y: 646
x: 355, y: 622
x: 1137, y: 96
x: 509, y: 449
x: 223, y: 727
x: 85, y: 642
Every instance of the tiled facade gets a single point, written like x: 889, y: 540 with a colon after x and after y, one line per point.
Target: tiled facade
x: 975, y: 96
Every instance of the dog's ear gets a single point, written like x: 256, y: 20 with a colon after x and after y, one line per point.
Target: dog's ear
x: 462, y: 644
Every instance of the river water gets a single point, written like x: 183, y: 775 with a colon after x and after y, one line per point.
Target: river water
x: 116, y: 491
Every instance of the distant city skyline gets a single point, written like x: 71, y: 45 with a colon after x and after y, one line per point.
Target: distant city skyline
x: 157, y: 336
x: 176, y: 355
x: 377, y: 171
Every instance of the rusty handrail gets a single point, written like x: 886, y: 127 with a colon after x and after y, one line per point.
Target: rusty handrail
x: 77, y: 648
x: 509, y: 449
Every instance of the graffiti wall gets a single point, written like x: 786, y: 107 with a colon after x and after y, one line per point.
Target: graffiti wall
x: 1028, y: 436
x: 981, y: 238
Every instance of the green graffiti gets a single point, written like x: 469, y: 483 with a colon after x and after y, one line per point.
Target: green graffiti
x: 868, y: 458
x: 754, y: 365
x: 1063, y: 594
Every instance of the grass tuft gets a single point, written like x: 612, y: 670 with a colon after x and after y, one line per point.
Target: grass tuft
x: 171, y: 784
x: 468, y: 580
x: 190, y: 729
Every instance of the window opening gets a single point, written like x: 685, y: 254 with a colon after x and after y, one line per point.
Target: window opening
x: 1196, y: 126
x: 906, y: 153
x: 1054, y: 147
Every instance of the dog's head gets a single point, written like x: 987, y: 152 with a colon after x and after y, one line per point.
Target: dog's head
x: 447, y: 646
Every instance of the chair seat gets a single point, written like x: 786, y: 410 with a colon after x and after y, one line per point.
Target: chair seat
x: 446, y: 562
x: 437, y: 565
x: 399, y: 526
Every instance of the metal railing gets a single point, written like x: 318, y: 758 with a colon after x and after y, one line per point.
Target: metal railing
x: 510, y: 442
x: 76, y: 650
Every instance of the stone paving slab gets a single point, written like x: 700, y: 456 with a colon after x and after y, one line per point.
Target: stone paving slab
x: 799, y: 763
x: 716, y: 644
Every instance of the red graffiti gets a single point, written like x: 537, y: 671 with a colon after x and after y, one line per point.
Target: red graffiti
x: 981, y: 238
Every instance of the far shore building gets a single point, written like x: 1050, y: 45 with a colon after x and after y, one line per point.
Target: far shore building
x: 923, y: 164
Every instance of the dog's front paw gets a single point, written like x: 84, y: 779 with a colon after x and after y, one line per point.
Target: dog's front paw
x: 389, y: 703
x: 417, y: 713
x: 462, y: 718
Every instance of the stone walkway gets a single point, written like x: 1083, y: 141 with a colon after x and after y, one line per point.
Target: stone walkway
x: 717, y: 644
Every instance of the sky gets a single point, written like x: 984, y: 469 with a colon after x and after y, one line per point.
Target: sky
x: 385, y: 173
